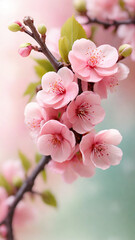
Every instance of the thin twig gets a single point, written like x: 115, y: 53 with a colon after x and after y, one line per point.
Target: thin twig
x: 26, y: 187
x: 110, y: 23
x: 28, y: 21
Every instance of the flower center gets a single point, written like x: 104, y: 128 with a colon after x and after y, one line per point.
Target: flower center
x: 95, y: 57
x: 56, y: 140
x: 57, y: 88
x: 101, y: 150
x: 83, y: 111
x: 35, y: 123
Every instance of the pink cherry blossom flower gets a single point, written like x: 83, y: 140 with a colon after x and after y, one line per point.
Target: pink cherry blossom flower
x: 3, y: 207
x: 110, y: 82
x: 12, y: 169
x: 56, y: 140
x: 58, y: 89
x: 100, y: 149
x: 90, y: 63
x: 73, y: 167
x: 35, y: 117
x: 85, y: 112
x: 52, y: 41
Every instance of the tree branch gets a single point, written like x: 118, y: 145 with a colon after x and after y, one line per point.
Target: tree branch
x: 110, y: 23
x: 28, y: 21
x: 26, y: 187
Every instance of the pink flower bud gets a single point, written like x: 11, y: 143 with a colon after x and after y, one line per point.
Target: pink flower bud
x: 3, y: 231
x: 25, y: 49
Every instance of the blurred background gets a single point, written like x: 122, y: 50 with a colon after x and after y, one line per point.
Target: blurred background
x: 90, y: 209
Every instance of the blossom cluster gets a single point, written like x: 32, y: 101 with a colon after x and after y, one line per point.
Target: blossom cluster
x: 62, y: 120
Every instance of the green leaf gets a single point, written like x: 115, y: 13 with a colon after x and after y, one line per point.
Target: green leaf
x: 25, y: 161
x: 43, y: 67
x: 31, y: 89
x: 72, y: 30
x: 40, y: 71
x: 5, y: 184
x: 44, y: 176
x: 49, y: 198
x: 64, y: 48
x: 38, y: 157
x: 93, y: 30
x: 122, y: 4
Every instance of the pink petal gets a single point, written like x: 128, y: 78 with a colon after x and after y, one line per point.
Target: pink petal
x: 100, y: 88
x: 123, y: 71
x: 83, y: 170
x: 100, y: 162
x: 82, y: 47
x: 52, y: 127
x: 66, y: 75
x: 71, y: 93
x: 110, y: 56
x: 60, y: 154
x: 48, y: 79
x: 70, y: 175
x: 98, y: 114
x: 106, y: 71
x: 111, y: 136
x: 44, y: 144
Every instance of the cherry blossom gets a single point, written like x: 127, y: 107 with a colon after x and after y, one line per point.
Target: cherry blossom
x: 101, y: 149
x: 85, y: 112
x: 56, y: 140
x: 109, y: 83
x: 73, y: 167
x: 11, y: 170
x: 90, y: 63
x: 58, y: 89
x: 35, y: 117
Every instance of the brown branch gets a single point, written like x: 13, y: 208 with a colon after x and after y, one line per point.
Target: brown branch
x: 110, y: 23
x: 28, y: 21
x: 26, y: 187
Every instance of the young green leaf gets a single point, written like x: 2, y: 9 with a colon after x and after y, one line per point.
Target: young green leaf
x: 31, y: 89
x: 44, y: 176
x: 25, y: 161
x: 40, y: 71
x: 5, y: 184
x: 64, y: 48
x: 45, y: 64
x: 38, y: 157
x: 72, y: 30
x: 49, y: 198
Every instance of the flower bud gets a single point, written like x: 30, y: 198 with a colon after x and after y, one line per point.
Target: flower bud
x: 15, y: 27
x: 25, y: 49
x: 125, y: 50
x: 17, y: 182
x: 42, y: 29
x: 80, y: 6
x: 3, y: 231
